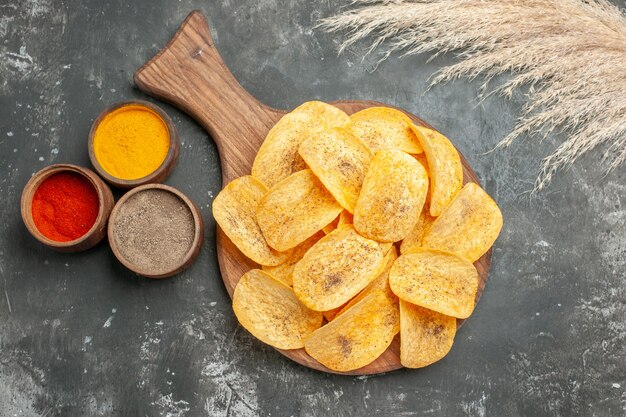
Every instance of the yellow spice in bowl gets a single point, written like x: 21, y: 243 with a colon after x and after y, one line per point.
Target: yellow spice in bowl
x: 131, y: 142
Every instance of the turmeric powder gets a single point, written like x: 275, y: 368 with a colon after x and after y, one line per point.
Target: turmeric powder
x: 131, y: 142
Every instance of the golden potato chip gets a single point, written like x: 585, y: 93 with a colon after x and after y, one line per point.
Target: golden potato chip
x: 234, y: 209
x: 336, y: 268
x: 425, y: 335
x: 392, y: 196
x: 444, y: 164
x: 468, y: 226
x: 278, y: 156
x: 284, y: 271
x: 295, y: 209
x: 323, y: 114
x: 269, y: 310
x: 340, y: 160
x: 329, y: 228
x: 437, y: 280
x: 332, y: 225
x: 414, y: 238
x: 380, y: 283
x: 345, y: 218
x: 421, y: 158
x: 385, y: 128
x: 357, y: 337
x: 331, y: 314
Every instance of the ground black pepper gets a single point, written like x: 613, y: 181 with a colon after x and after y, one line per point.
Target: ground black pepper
x: 154, y: 230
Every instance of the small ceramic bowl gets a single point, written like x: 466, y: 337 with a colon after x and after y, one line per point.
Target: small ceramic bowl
x: 93, y: 235
x: 194, y: 248
x: 156, y: 176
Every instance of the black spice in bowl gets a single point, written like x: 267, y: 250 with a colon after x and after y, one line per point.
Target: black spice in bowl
x: 155, y: 231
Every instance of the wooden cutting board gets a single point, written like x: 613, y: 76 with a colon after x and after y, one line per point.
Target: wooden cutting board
x: 190, y: 74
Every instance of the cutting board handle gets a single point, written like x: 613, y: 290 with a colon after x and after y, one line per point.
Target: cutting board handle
x: 190, y: 73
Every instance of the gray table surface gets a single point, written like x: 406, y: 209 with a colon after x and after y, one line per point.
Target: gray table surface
x: 82, y: 336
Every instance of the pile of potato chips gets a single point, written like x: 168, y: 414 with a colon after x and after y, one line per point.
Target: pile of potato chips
x: 363, y: 230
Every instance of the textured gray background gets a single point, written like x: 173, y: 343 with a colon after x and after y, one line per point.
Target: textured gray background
x: 81, y: 336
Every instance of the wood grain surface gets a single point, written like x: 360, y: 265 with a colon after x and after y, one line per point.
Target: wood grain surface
x: 190, y: 74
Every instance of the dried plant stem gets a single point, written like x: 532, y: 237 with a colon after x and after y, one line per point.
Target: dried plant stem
x: 570, y: 53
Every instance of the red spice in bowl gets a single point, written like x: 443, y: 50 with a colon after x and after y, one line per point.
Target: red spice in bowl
x: 65, y: 206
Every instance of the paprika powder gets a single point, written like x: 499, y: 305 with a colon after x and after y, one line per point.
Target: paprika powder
x: 65, y: 206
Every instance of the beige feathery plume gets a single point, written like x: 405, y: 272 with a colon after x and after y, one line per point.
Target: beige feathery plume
x: 570, y: 53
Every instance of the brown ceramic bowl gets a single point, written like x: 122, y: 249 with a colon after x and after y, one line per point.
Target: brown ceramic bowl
x: 97, y: 231
x: 194, y: 249
x: 158, y: 175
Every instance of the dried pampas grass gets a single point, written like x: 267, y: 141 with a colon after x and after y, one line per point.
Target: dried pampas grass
x: 571, y: 54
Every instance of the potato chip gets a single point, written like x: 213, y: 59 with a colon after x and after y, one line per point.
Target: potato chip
x: 331, y: 314
x: 386, y: 247
x: 340, y: 160
x: 278, y: 156
x: 270, y: 310
x: 345, y: 218
x: 437, y: 280
x: 392, y: 196
x: 357, y: 337
x: 444, y: 164
x: 234, y: 209
x: 336, y: 268
x: 329, y: 228
x: 425, y: 335
x: 323, y: 114
x: 468, y: 226
x: 295, y: 209
x: 385, y: 128
x: 332, y: 225
x: 414, y: 238
x: 421, y: 158
x: 284, y: 271
x: 380, y: 283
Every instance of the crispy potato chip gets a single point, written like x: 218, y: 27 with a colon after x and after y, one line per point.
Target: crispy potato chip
x: 284, y: 271
x: 437, y: 280
x: 421, y: 158
x: 332, y: 225
x: 444, y: 164
x: 340, y: 160
x: 278, y: 156
x: 234, y: 209
x: 425, y: 335
x: 414, y: 238
x: 324, y: 114
x: 336, y: 268
x: 392, y: 196
x: 329, y: 228
x: 357, y: 337
x: 331, y: 314
x: 385, y: 128
x: 270, y: 310
x: 345, y: 218
x: 295, y: 209
x: 380, y: 283
x: 386, y: 247
x: 468, y: 226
